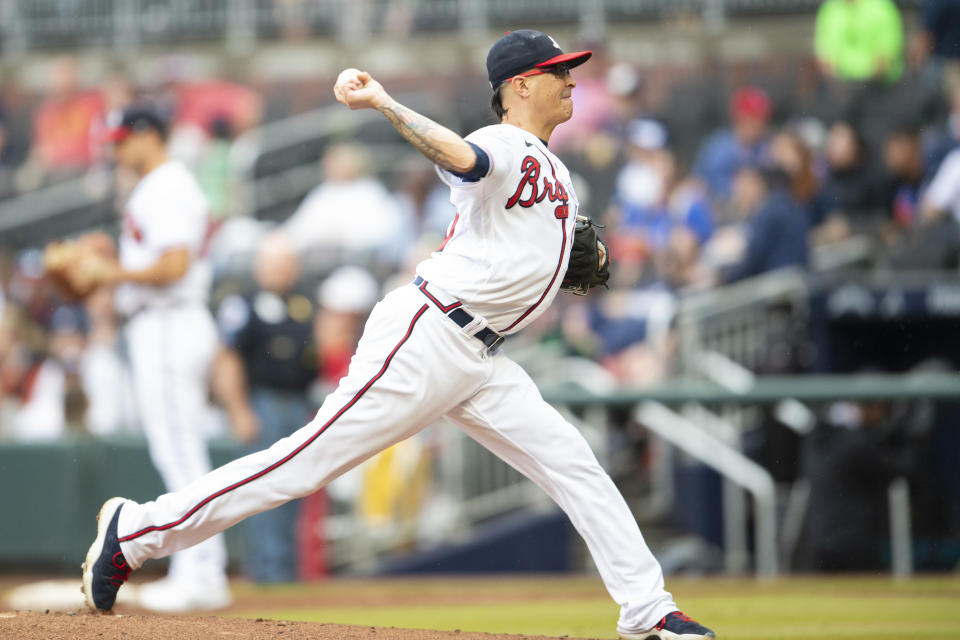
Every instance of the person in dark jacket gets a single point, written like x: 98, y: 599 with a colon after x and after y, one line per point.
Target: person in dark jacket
x: 776, y: 226
x: 849, y: 188
x: 269, y: 335
x: 850, y: 460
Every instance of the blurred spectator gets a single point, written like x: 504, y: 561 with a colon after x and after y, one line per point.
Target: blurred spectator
x: 52, y: 399
x: 596, y: 163
x: 929, y: 237
x: 202, y: 103
x: 776, y: 228
x: 640, y: 189
x: 942, y: 197
x: 595, y: 103
x: 64, y: 124
x: 14, y: 363
x: 346, y: 298
x: 680, y: 266
x: 919, y: 237
x: 194, y: 107
x: 6, y: 266
x: 350, y: 211
x: 939, y: 38
x: 629, y: 91
x: 860, y: 40
x: 271, y: 348
x: 425, y: 208
x: 629, y: 331
x: 790, y: 154
x: 7, y: 166
x: 850, y: 460
x: 746, y: 143
x: 941, y: 140
x: 850, y: 187
x: 907, y: 174
x: 216, y: 173
x: 654, y: 198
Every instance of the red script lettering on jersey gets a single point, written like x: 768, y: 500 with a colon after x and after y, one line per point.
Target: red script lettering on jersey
x: 527, y: 197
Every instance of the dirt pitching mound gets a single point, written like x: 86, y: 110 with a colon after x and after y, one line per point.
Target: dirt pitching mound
x: 83, y: 625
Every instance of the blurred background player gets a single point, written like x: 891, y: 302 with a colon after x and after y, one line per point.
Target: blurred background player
x: 272, y: 353
x: 163, y: 282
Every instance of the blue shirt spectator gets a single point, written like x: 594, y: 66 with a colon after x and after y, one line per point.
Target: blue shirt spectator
x: 776, y: 237
x: 745, y: 144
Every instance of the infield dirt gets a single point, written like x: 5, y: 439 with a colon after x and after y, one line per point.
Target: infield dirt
x: 82, y: 625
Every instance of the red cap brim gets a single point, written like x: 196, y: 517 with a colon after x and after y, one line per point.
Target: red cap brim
x: 573, y: 59
x: 116, y: 134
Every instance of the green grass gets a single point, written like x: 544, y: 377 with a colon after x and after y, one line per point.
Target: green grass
x: 789, y: 609
x: 581, y: 619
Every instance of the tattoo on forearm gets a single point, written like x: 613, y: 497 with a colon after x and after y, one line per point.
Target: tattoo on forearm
x: 424, y: 134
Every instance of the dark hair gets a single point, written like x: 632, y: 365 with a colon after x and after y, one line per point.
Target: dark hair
x: 775, y: 178
x: 496, y: 103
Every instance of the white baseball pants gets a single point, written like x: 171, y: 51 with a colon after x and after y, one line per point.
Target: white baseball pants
x: 171, y: 351
x: 414, y: 365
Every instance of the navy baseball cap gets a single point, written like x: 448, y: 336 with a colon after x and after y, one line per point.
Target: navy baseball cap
x: 133, y: 119
x: 525, y: 49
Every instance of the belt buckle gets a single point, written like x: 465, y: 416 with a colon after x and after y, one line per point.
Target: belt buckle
x: 494, y: 345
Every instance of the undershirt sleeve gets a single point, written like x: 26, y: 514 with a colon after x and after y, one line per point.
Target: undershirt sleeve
x: 480, y: 169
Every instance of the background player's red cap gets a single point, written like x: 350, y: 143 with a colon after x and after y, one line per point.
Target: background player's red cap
x: 137, y: 117
x: 525, y: 49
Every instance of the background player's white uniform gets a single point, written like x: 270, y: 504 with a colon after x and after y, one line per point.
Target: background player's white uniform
x: 502, y: 262
x: 172, y: 339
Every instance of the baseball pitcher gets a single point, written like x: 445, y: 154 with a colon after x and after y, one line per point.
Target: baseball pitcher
x: 433, y: 348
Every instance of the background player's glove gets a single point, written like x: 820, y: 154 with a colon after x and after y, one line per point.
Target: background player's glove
x: 77, y: 267
x: 589, y: 264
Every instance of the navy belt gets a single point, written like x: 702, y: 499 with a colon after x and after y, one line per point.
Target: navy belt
x: 456, y: 312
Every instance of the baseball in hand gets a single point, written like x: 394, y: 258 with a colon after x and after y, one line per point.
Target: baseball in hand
x: 349, y: 78
x: 358, y: 90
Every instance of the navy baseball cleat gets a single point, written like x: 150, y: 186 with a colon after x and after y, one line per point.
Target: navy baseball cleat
x: 673, y: 626
x: 105, y: 569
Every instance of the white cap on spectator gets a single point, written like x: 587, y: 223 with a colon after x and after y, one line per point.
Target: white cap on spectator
x: 349, y: 290
x: 622, y: 79
x: 648, y: 134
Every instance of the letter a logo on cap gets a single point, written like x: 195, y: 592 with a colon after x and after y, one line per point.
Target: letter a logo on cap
x: 555, y: 43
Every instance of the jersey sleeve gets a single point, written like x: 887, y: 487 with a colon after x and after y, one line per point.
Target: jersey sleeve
x: 498, y: 150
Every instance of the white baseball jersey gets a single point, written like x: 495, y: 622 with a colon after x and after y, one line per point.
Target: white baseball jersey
x: 166, y: 210
x: 507, y: 249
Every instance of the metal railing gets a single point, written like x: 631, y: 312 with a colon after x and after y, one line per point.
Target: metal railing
x: 739, y: 321
x: 58, y: 210
x: 724, y: 456
x: 711, y: 439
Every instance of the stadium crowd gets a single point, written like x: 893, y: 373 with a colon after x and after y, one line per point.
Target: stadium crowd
x: 703, y: 177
